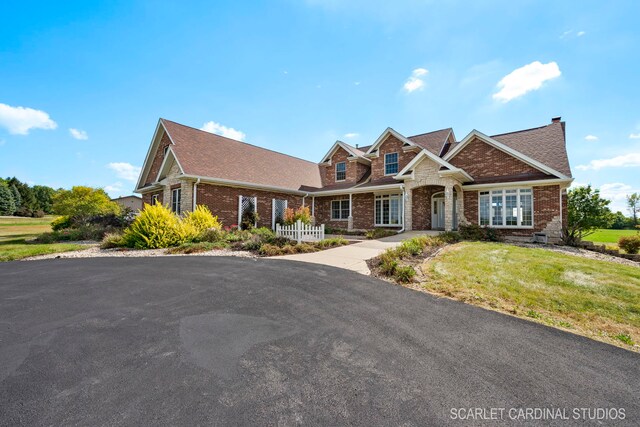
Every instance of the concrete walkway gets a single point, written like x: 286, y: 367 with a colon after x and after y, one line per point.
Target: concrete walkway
x: 354, y: 256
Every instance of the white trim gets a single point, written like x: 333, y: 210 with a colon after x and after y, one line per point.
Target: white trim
x: 397, y: 163
x: 336, y: 171
x: 502, y: 147
x: 388, y: 131
x: 153, y: 147
x: 255, y: 209
x: 231, y: 183
x: 504, y: 209
x: 346, y: 147
x: 176, y: 202
x: 517, y: 184
x: 357, y: 190
x: 164, y: 162
x: 389, y: 196
x: 426, y: 153
x: 331, y: 218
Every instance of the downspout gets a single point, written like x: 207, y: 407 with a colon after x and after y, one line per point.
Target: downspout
x: 195, y: 194
x: 404, y: 217
x: 303, y: 197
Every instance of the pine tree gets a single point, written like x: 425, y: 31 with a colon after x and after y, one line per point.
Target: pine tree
x: 7, y: 204
x: 17, y: 199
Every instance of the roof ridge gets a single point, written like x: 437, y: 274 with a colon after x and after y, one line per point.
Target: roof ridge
x: 522, y: 130
x: 240, y: 142
x: 433, y: 131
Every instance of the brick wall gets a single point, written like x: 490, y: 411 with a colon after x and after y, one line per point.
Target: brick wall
x: 546, y: 211
x: 362, y: 211
x: 421, y: 206
x: 223, y: 202
x: 390, y: 145
x: 157, y: 159
x: 146, y: 198
x: 481, y: 160
x: 323, y: 212
x: 355, y: 170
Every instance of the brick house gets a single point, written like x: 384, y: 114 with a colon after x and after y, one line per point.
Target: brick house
x: 515, y: 182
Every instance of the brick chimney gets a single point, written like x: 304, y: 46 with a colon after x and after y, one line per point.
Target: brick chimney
x: 556, y: 119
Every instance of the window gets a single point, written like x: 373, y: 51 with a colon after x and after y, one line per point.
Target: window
x: 176, y: 194
x: 341, y: 171
x: 388, y: 209
x: 340, y: 209
x: 506, y: 208
x: 166, y: 149
x: 391, y: 163
x: 154, y: 199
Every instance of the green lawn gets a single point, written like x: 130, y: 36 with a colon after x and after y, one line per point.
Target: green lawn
x: 608, y: 237
x: 14, y: 231
x: 595, y: 298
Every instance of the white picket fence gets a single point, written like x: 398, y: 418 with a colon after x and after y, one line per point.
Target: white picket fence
x: 300, y: 232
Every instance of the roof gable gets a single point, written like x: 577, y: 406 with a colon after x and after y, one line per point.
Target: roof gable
x: 502, y: 147
x: 351, y: 151
x: 153, y: 147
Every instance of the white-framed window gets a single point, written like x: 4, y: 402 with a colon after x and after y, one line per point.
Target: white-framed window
x: 391, y: 163
x: 508, y: 208
x: 176, y: 194
x: 388, y: 210
x: 341, y: 171
x: 340, y: 209
x: 154, y: 199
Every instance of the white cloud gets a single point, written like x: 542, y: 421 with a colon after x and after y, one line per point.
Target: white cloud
x: 20, y: 120
x: 581, y: 33
x: 113, y: 188
x: 591, y: 138
x: 356, y: 83
x: 634, y: 136
x: 351, y: 135
x: 415, y: 82
x: 624, y: 161
x: 78, y: 134
x: 218, y: 129
x: 617, y: 192
x: 125, y: 170
x: 525, y: 79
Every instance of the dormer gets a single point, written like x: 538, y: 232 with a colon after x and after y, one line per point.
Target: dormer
x: 344, y: 164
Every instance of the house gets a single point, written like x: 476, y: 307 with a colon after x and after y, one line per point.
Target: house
x: 515, y: 182
x: 132, y: 202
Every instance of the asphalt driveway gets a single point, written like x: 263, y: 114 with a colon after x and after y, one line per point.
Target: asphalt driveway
x: 202, y: 341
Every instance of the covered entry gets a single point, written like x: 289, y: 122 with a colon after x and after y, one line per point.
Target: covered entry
x: 438, y: 209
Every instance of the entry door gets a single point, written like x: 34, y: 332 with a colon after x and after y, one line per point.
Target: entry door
x: 437, y: 213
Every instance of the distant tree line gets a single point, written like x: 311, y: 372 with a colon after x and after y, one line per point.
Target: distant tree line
x: 20, y: 199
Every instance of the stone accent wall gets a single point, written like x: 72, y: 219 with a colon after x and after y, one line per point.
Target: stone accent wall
x: 170, y: 182
x: 390, y: 145
x: 157, y: 159
x: 426, y: 174
x: 481, y: 160
x: 223, y: 202
x: 146, y: 198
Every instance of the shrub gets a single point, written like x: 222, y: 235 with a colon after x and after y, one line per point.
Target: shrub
x: 378, y: 233
x: 237, y: 236
x: 476, y: 232
x: 630, y: 244
x: 111, y: 240
x: 412, y: 247
x: 388, y: 267
x: 61, y: 223
x: 449, y: 237
x: 302, y: 213
x: 268, y: 249
x: 211, y: 235
x: 155, y: 227
x: 333, y: 242
x: 194, y: 248
x: 404, y: 274
x: 85, y: 232
x: 202, y: 219
x: 83, y: 202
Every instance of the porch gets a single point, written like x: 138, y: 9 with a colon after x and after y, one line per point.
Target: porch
x: 434, y: 207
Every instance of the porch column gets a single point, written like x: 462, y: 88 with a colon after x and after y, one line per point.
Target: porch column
x: 350, y: 220
x: 448, y: 207
x: 460, y: 207
x: 407, y: 209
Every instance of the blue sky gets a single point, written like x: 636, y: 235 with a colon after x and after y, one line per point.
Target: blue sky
x: 294, y: 76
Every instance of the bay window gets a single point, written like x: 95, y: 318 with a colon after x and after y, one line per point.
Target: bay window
x: 388, y: 210
x: 506, y: 208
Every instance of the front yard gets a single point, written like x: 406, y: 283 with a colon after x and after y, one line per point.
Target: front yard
x: 15, y: 231
x: 599, y: 299
x: 609, y: 237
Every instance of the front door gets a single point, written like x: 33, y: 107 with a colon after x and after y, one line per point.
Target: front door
x: 437, y: 213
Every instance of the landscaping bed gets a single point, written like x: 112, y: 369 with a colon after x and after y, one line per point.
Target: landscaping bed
x: 579, y: 291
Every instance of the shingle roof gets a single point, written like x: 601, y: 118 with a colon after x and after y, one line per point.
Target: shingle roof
x: 545, y: 144
x: 432, y: 141
x: 208, y: 155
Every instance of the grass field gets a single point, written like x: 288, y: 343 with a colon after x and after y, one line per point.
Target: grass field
x: 608, y: 237
x: 599, y: 299
x: 14, y: 231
